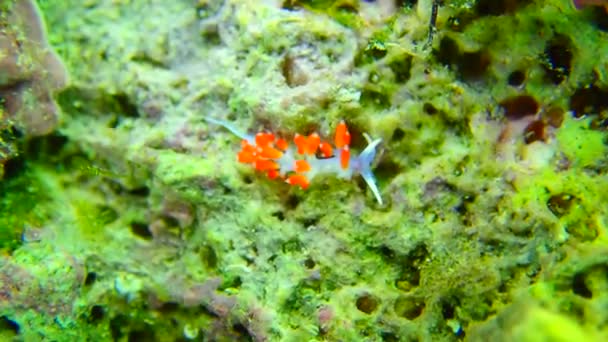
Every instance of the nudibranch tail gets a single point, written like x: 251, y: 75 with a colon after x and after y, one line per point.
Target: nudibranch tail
x: 365, y: 161
x: 310, y: 157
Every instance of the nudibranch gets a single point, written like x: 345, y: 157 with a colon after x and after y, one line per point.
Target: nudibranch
x: 308, y: 157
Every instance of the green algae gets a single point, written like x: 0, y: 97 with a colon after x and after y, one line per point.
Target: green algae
x: 582, y: 145
x: 22, y: 206
x: 168, y: 237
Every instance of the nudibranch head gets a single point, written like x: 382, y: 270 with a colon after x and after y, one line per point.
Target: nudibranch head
x: 311, y: 156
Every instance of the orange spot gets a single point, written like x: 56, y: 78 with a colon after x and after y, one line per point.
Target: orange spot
x: 298, y: 180
x: 312, y: 143
x: 302, y: 166
x: 246, y: 157
x: 326, y: 150
x: 272, y: 174
x: 246, y: 146
x: 263, y: 139
x: 265, y: 165
x: 345, y: 157
x: 342, y: 137
x: 270, y: 152
x: 300, y: 142
x: 282, y: 144
x: 307, y: 145
x: 248, y: 153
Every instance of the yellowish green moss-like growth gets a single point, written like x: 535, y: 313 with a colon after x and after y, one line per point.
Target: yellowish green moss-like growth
x: 17, y: 205
x: 491, y: 173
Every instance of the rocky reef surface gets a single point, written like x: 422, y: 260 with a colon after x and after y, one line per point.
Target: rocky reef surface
x: 129, y: 218
x: 30, y: 72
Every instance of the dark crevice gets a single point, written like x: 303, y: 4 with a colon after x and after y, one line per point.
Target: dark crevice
x: 429, y: 109
x: 448, y: 307
x: 99, y: 104
x: 125, y: 106
x: 309, y: 263
x: 117, y: 324
x: 146, y: 59
x: 96, y: 314
x: 292, y: 202
x: 142, y: 191
x: 560, y: 204
x: 209, y: 257
x: 46, y: 146
x: 469, y: 65
x: 398, y: 134
x: 520, y: 106
x: 231, y: 282
x: 411, y: 268
x: 242, y: 332
x: 211, y: 35
x: 401, y: 68
x: 405, y: 3
x: 247, y: 179
x: 499, y: 7
x: 516, y: 78
x: 388, y: 336
x: 9, y: 133
x: 557, y: 58
x: 106, y: 214
x: 554, y: 116
x: 279, y: 215
x: 90, y: 278
x: 588, y: 100
x: 367, y: 303
x: 599, y: 17
x: 9, y: 325
x: 579, y: 287
x: 141, y: 230
x: 409, y: 307
x: 535, y: 131
x: 140, y: 335
x: 292, y: 73
x: 14, y: 167
x: 387, y: 169
x: 448, y: 52
x: 474, y: 65
x: 168, y: 307
x: 375, y: 98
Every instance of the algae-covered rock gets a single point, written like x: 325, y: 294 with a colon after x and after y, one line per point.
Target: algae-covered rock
x: 531, y: 323
x: 492, y: 223
x: 30, y: 73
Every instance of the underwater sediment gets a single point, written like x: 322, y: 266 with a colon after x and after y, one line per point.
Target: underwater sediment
x: 128, y: 214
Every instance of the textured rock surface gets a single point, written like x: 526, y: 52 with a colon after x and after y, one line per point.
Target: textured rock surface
x: 493, y: 162
x: 30, y: 72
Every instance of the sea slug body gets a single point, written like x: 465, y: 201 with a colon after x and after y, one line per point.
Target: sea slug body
x: 307, y: 158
